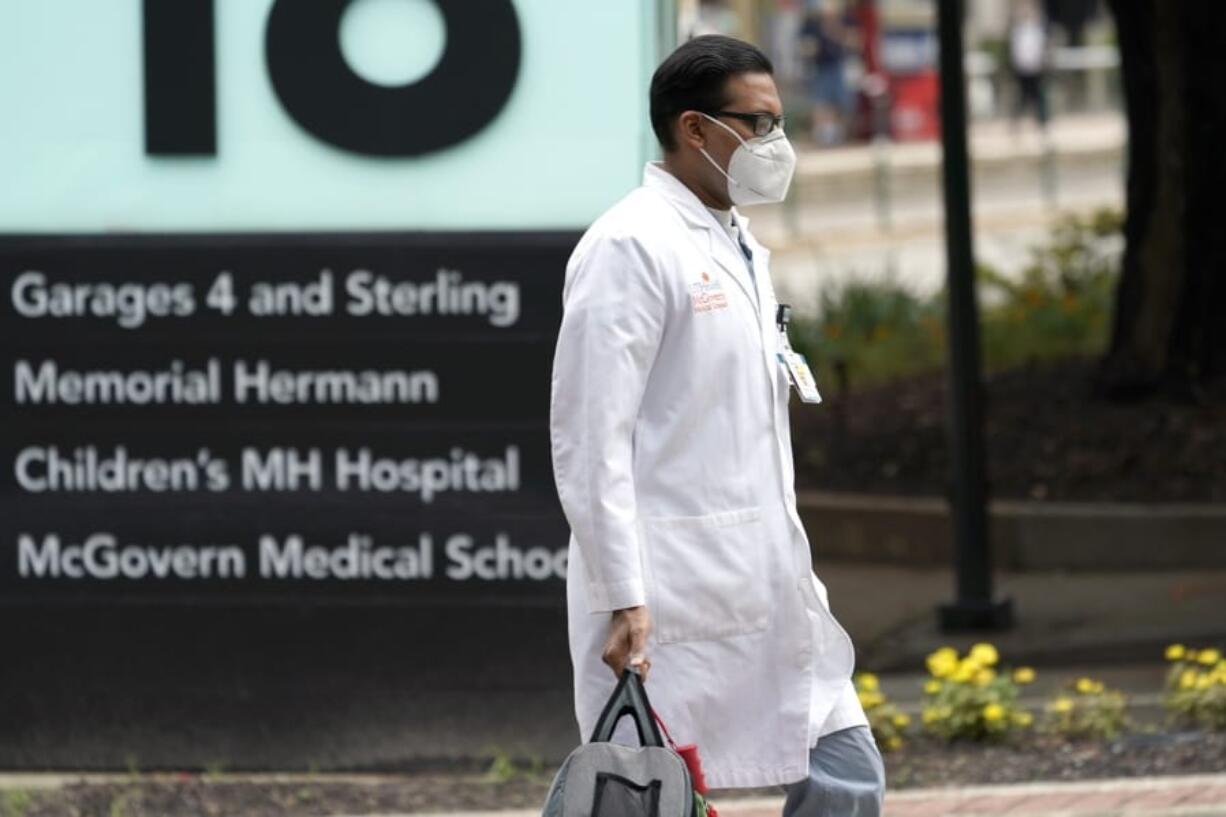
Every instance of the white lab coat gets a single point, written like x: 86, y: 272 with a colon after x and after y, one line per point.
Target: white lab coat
x: 672, y: 459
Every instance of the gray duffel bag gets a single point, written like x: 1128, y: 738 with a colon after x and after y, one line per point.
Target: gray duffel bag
x: 605, y: 779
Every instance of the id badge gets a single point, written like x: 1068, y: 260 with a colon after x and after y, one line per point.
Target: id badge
x: 800, y: 375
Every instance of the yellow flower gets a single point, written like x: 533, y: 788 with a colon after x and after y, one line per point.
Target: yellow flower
x: 1187, y: 679
x: 993, y: 712
x: 871, y: 699
x: 964, y: 671
x: 868, y: 681
x: 942, y: 662
x: 1023, y: 718
x: 1023, y: 675
x: 893, y: 742
x: 1175, y: 651
x: 942, y: 670
x: 984, y: 676
x: 1085, y: 685
x: 932, y: 686
x: 1209, y: 657
x: 984, y: 653
x: 930, y: 715
x: 944, y: 652
x: 1204, y: 682
x: 1063, y: 704
x: 902, y: 719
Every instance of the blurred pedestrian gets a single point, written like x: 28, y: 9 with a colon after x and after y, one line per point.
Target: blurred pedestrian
x: 1028, y: 59
x: 828, y: 39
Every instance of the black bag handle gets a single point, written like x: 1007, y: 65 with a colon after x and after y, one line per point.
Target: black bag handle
x: 629, y: 698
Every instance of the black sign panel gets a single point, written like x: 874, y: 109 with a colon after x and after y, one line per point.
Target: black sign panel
x: 278, y: 416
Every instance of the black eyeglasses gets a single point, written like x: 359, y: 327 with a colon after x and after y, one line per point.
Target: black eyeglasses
x: 762, y: 123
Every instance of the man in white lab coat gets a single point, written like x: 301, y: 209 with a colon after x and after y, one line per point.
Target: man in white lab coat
x: 672, y: 458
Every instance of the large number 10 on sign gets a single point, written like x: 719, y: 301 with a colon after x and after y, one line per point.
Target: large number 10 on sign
x: 320, y: 91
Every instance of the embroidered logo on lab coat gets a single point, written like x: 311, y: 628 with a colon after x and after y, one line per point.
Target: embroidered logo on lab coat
x: 706, y: 295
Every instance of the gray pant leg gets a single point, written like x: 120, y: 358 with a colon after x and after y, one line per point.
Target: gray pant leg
x: 846, y: 778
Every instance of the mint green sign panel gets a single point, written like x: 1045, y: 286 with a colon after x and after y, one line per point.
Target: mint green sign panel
x: 572, y: 137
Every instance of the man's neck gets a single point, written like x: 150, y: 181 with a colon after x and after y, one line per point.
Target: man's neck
x: 688, y: 178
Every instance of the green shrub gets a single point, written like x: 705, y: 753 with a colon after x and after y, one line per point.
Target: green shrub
x: 874, y: 330
x: 885, y: 719
x: 968, y: 699
x: 1196, y: 686
x: 1086, y: 709
x: 1059, y: 306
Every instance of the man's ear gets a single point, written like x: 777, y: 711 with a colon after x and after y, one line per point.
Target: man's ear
x: 689, y: 130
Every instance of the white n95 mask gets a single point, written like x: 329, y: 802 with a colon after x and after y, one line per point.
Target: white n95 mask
x: 760, y: 170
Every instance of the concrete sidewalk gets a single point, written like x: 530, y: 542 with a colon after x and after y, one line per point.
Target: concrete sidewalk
x: 1169, y: 796
x: 1151, y: 796
x: 1064, y: 619
x: 1183, y: 796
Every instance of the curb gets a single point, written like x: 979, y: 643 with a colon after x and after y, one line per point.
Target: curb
x: 904, y: 530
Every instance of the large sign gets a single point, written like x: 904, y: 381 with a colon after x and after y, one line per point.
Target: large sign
x: 279, y: 307
x: 354, y: 414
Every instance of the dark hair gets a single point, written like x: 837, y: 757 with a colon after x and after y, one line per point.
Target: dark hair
x: 693, y: 78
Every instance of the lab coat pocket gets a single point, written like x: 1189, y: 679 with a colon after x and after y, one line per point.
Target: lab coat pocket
x: 706, y: 575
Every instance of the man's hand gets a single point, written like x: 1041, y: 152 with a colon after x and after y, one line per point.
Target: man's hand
x: 627, y: 641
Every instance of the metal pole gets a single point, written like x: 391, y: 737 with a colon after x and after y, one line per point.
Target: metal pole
x: 974, y: 607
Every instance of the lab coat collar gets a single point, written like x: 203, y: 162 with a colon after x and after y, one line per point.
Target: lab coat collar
x: 718, y: 244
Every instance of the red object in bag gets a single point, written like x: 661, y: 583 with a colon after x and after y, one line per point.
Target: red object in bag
x: 689, y: 753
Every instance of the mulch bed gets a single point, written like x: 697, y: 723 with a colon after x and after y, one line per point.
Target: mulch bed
x: 920, y: 763
x: 1047, y: 437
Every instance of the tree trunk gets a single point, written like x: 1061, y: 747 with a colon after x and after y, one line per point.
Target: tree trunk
x: 1199, y: 344
x: 1170, y: 298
